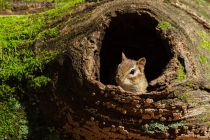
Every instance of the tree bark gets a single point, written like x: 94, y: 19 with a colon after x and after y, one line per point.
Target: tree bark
x: 83, y: 95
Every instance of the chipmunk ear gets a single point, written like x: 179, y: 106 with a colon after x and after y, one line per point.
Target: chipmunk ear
x: 141, y: 63
x: 123, y: 57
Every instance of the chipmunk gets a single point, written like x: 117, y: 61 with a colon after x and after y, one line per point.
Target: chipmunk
x: 130, y: 75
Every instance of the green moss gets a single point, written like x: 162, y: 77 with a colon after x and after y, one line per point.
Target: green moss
x: 205, y: 44
x: 151, y: 127
x: 181, y: 73
x: 164, y: 25
x: 198, y: 2
x: 207, y: 109
x: 190, y: 84
x: 53, y: 32
x: 12, y: 120
x: 184, y: 96
x: 39, y: 82
x: 203, y: 34
x: 168, y: 101
x: 176, y: 124
x: 203, y: 59
x: 204, y: 49
x: 204, y: 118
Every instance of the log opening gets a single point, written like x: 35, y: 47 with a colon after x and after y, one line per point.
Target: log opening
x: 135, y: 35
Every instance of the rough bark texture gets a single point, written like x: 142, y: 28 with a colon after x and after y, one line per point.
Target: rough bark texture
x: 83, y: 97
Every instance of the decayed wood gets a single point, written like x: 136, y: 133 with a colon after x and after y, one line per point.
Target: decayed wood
x: 88, y: 106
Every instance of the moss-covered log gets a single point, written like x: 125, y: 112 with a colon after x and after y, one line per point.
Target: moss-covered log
x: 173, y: 36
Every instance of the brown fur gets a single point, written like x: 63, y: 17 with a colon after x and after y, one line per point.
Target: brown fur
x: 131, y: 82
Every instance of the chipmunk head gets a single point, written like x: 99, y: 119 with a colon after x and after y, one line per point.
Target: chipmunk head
x: 130, y: 74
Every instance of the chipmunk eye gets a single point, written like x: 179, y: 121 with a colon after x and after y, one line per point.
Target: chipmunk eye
x: 132, y: 71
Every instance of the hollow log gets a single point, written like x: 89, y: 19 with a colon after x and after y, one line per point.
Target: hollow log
x: 83, y: 97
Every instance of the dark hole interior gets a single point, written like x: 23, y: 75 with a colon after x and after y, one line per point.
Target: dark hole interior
x: 135, y: 35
